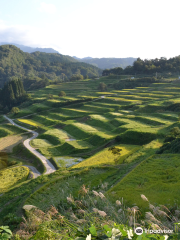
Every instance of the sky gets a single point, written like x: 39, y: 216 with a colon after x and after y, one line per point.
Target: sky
x: 96, y: 28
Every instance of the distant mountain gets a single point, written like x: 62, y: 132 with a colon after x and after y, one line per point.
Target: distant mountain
x: 38, y: 65
x: 30, y: 49
x: 107, y: 63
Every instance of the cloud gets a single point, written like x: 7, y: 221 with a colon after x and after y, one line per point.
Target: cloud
x: 47, y: 8
x: 20, y: 34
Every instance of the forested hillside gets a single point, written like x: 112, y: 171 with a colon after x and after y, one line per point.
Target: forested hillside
x: 104, y: 63
x: 146, y: 66
x: 40, y: 66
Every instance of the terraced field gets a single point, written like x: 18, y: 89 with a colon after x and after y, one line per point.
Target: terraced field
x: 12, y: 176
x: 79, y: 131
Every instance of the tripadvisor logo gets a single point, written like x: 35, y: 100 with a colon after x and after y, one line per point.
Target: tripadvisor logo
x: 139, y: 231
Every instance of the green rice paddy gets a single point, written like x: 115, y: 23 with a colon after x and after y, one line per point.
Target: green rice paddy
x: 78, y: 137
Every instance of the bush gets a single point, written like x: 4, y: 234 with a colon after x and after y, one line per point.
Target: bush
x: 62, y: 94
x: 102, y: 87
x: 15, y: 110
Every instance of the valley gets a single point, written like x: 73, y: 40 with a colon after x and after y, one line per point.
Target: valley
x: 76, y: 131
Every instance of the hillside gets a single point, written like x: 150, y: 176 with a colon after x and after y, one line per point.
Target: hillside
x: 77, y: 134
x: 30, y: 49
x: 107, y: 63
x: 37, y: 66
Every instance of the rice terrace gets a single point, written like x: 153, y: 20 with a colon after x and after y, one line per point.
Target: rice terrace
x: 121, y: 141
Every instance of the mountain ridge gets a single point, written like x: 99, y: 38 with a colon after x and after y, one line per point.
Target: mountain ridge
x: 107, y: 63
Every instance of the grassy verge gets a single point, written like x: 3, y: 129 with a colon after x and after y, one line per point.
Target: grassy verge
x: 24, y: 153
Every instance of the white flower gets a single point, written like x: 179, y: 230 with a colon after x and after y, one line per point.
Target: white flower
x: 95, y: 193
x: 70, y: 199
x: 118, y: 203
x: 130, y: 234
x: 102, y: 213
x: 101, y: 195
x: 166, y: 237
x: 116, y: 232
x: 88, y: 237
x: 144, y: 197
x: 95, y: 210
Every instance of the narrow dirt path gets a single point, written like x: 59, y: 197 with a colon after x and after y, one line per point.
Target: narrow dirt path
x: 49, y: 167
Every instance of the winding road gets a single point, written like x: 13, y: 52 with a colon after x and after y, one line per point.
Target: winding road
x: 48, y: 165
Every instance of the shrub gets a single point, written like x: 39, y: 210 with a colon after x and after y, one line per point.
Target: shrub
x: 15, y: 110
x: 62, y: 94
x: 102, y: 87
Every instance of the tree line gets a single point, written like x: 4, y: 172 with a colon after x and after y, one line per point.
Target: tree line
x: 12, y: 94
x: 161, y: 65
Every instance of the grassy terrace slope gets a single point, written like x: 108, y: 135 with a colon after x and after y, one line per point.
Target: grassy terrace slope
x: 157, y: 177
x: 136, y: 115
x: 79, y: 129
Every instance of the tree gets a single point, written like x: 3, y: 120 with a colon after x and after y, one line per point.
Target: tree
x: 15, y: 110
x: 10, y: 95
x: 27, y: 97
x: 115, y: 151
x: 62, y: 94
x: 86, y: 76
x: 75, y: 77
x: 102, y: 87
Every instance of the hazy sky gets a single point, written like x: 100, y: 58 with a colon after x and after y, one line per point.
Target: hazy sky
x: 96, y: 28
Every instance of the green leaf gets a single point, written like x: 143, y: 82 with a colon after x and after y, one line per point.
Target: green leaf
x: 8, y: 231
x: 93, y: 231
x: 107, y: 228
x: 124, y: 233
x: 109, y: 233
x: 3, y: 227
x: 5, y: 236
